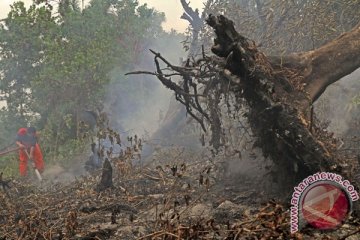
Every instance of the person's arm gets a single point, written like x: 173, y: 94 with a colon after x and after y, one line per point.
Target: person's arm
x: 22, y: 146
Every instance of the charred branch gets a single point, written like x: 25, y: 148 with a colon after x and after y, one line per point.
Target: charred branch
x: 187, y: 93
x: 196, y: 22
x: 192, y: 16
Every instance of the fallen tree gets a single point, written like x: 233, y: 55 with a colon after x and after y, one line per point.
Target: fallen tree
x: 278, y: 91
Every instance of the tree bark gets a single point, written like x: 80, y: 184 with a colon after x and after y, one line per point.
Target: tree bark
x: 325, y: 65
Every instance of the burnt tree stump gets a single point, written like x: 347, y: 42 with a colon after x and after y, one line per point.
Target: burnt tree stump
x: 106, y: 177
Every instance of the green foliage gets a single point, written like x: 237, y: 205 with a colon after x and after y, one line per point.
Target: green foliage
x: 9, y: 165
x: 56, y: 64
x: 66, y: 153
x: 21, y: 52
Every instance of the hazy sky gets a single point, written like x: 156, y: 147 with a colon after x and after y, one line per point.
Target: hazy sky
x: 171, y: 8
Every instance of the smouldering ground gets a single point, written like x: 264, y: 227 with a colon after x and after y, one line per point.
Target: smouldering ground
x: 188, y: 200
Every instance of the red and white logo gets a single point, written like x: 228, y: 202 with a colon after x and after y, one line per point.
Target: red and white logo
x: 325, y: 205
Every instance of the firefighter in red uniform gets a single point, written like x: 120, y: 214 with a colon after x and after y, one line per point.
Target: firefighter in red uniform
x: 26, y: 139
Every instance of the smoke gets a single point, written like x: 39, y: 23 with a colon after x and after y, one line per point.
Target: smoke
x: 335, y: 105
x: 132, y: 103
x: 57, y: 173
x: 136, y: 103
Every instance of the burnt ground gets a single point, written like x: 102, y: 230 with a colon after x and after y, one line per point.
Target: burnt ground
x: 183, y: 199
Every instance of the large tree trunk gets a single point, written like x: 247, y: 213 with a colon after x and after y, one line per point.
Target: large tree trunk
x: 277, y: 104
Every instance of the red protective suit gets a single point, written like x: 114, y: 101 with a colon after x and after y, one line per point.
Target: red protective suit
x: 29, y: 141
